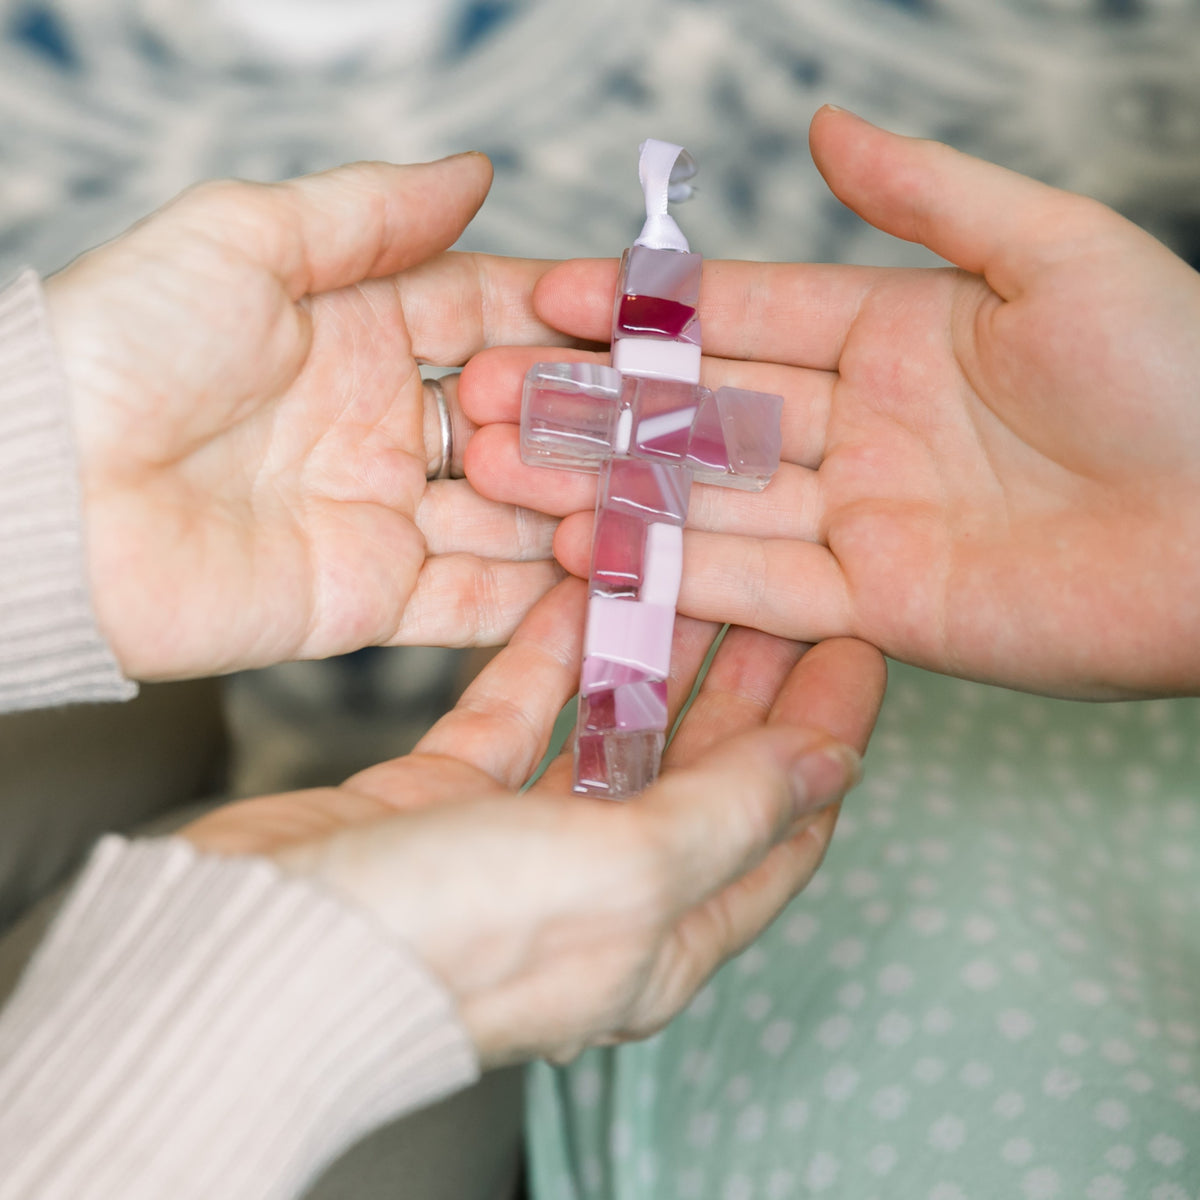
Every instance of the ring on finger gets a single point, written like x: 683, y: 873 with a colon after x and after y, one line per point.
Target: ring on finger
x: 441, y: 469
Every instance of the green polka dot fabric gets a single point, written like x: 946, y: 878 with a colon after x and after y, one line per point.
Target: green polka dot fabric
x: 990, y: 991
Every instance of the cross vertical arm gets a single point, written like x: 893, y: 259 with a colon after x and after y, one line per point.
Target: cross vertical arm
x: 647, y: 426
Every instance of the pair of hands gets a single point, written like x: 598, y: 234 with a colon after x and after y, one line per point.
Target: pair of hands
x: 988, y: 470
x: 558, y: 921
x: 244, y: 370
x: 973, y: 481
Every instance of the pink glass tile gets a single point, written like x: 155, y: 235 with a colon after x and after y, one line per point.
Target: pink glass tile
x: 627, y: 631
x: 663, y: 412
x: 598, y: 712
x: 617, y: 765
x: 707, y: 455
x: 658, y: 358
x: 654, y: 491
x: 651, y: 316
x: 662, y: 571
x: 641, y: 705
x: 591, y: 764
x: 618, y: 549
x: 602, y: 674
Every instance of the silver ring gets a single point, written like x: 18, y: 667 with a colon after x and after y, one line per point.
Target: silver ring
x: 442, y: 470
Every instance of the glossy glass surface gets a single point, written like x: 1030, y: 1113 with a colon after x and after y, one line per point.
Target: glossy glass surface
x: 653, y: 491
x: 568, y: 415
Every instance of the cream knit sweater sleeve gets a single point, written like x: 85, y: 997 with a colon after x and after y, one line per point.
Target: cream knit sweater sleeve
x: 192, y: 1026
x: 50, y: 649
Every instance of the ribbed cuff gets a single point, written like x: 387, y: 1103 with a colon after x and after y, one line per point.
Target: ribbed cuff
x: 197, y: 1026
x: 50, y: 649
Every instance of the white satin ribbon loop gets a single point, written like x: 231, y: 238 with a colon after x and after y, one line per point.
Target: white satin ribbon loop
x: 664, y: 169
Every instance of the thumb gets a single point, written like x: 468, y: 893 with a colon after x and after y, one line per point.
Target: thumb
x: 339, y: 227
x: 720, y: 816
x: 986, y: 219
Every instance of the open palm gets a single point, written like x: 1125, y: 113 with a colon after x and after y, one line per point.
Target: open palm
x: 990, y: 469
x: 559, y: 921
x: 247, y: 400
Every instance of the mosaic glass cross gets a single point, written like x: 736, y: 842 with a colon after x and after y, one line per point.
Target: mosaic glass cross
x: 648, y: 428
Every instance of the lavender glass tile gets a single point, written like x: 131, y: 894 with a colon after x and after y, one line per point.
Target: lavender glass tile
x: 568, y: 415
x: 668, y: 275
x: 753, y: 438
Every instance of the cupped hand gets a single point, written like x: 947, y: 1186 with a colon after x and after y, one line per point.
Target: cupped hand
x: 558, y: 921
x: 243, y: 374
x: 990, y: 470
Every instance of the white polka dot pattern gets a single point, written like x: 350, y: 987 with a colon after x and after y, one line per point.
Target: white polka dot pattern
x: 990, y: 991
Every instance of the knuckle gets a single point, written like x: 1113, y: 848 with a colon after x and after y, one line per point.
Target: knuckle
x: 217, y: 194
x: 484, y: 604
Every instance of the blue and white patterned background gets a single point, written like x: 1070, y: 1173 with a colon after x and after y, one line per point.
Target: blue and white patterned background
x: 108, y: 109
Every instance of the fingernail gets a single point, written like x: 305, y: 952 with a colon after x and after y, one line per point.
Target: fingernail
x: 824, y: 776
x: 837, y: 108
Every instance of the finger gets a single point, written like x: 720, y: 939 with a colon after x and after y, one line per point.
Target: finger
x: 455, y: 519
x: 717, y: 818
x: 792, y: 506
x: 826, y: 697
x: 492, y: 383
x: 726, y: 923
x: 737, y: 692
x: 455, y: 305
x: 486, y: 597
x: 493, y: 465
x: 493, y: 380
x: 789, y: 588
x: 837, y: 686
x: 981, y: 217
x: 336, y: 228
x: 797, y: 314
x: 503, y: 721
